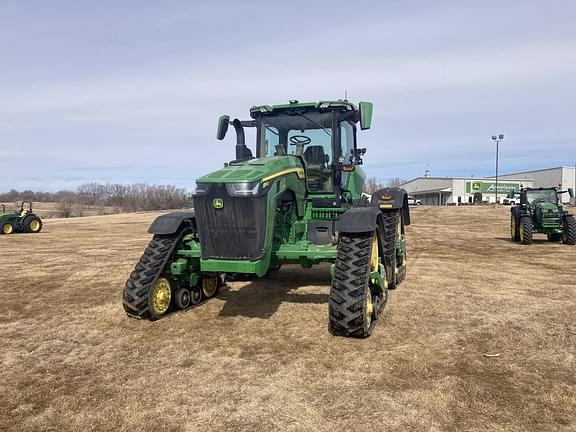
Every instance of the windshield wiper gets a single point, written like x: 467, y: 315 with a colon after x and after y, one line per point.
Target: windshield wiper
x: 315, y: 123
x: 270, y: 129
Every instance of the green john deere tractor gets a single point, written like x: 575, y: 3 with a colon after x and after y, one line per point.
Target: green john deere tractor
x: 23, y: 220
x: 540, y: 211
x: 298, y: 201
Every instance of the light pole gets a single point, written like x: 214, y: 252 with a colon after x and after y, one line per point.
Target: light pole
x: 497, y: 138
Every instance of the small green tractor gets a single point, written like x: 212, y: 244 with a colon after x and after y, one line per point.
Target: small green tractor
x: 298, y: 201
x: 540, y: 211
x: 19, y: 221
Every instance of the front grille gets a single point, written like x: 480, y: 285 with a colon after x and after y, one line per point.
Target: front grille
x: 235, y: 231
x: 550, y: 222
x: 326, y: 214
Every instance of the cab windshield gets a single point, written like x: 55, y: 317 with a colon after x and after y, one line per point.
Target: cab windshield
x: 536, y: 196
x: 304, y: 134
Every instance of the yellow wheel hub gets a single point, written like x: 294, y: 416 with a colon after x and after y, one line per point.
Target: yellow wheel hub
x: 7, y: 229
x: 374, y: 257
x: 34, y: 225
x: 160, y: 296
x: 209, y: 286
x: 369, y: 307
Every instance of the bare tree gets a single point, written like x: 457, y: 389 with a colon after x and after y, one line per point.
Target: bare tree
x: 394, y: 182
x: 66, y: 202
x: 372, y: 185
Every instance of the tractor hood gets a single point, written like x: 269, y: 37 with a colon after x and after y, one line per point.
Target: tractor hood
x: 255, y: 169
x: 547, y: 208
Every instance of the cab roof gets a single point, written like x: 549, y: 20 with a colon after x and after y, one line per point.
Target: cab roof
x: 294, y: 104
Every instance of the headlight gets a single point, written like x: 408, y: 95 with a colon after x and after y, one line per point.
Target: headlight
x: 201, y: 189
x: 244, y: 189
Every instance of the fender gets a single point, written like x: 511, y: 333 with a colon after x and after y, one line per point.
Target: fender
x: 358, y: 219
x: 392, y: 198
x: 171, y: 223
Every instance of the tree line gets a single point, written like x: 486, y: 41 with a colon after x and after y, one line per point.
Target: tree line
x: 373, y: 184
x: 126, y: 198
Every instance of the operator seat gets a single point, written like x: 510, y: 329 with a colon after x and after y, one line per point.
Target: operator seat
x: 315, y: 163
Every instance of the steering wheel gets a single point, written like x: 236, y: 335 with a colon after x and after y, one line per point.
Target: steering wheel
x: 300, y: 140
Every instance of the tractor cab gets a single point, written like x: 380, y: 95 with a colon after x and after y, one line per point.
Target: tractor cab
x: 321, y: 135
x: 23, y: 212
x: 531, y: 197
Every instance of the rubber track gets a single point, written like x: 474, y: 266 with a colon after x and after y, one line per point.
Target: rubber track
x: 145, y: 273
x: 351, y: 279
x: 571, y: 224
x: 390, y: 223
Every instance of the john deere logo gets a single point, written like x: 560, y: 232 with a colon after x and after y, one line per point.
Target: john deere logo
x: 476, y: 186
x: 218, y: 203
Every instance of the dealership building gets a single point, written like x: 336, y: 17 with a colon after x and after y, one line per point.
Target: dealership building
x: 562, y: 177
x: 461, y: 190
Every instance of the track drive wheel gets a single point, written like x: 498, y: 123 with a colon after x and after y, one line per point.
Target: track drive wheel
x: 7, y: 228
x: 351, y: 305
x: 526, y: 230
x: 32, y: 224
x: 514, y: 228
x: 210, y: 285
x: 569, y: 231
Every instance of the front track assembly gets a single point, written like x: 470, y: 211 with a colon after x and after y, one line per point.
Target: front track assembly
x: 151, y: 291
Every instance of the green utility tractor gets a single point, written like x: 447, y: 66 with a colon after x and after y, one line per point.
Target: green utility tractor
x: 297, y: 201
x: 540, y: 211
x: 23, y: 220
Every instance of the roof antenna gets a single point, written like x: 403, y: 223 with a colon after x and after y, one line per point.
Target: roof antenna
x: 346, y: 95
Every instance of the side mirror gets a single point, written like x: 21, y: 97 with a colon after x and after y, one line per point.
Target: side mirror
x: 223, y: 123
x: 365, y: 109
x: 571, y: 192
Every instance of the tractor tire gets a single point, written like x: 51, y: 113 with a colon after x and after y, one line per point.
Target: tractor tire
x: 569, y: 231
x: 514, y: 228
x: 32, y: 224
x: 351, y: 310
x: 526, y: 229
x: 7, y: 228
x: 395, y: 271
x: 137, y: 300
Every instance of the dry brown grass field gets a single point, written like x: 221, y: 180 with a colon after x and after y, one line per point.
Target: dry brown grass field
x: 259, y: 356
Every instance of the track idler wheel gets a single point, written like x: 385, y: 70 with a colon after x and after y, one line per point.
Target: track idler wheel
x: 160, y: 297
x: 195, y: 295
x: 182, y: 298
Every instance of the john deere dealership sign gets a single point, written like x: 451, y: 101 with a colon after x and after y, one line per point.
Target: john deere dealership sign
x: 490, y: 187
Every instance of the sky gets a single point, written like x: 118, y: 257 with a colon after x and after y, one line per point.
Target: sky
x: 131, y: 91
